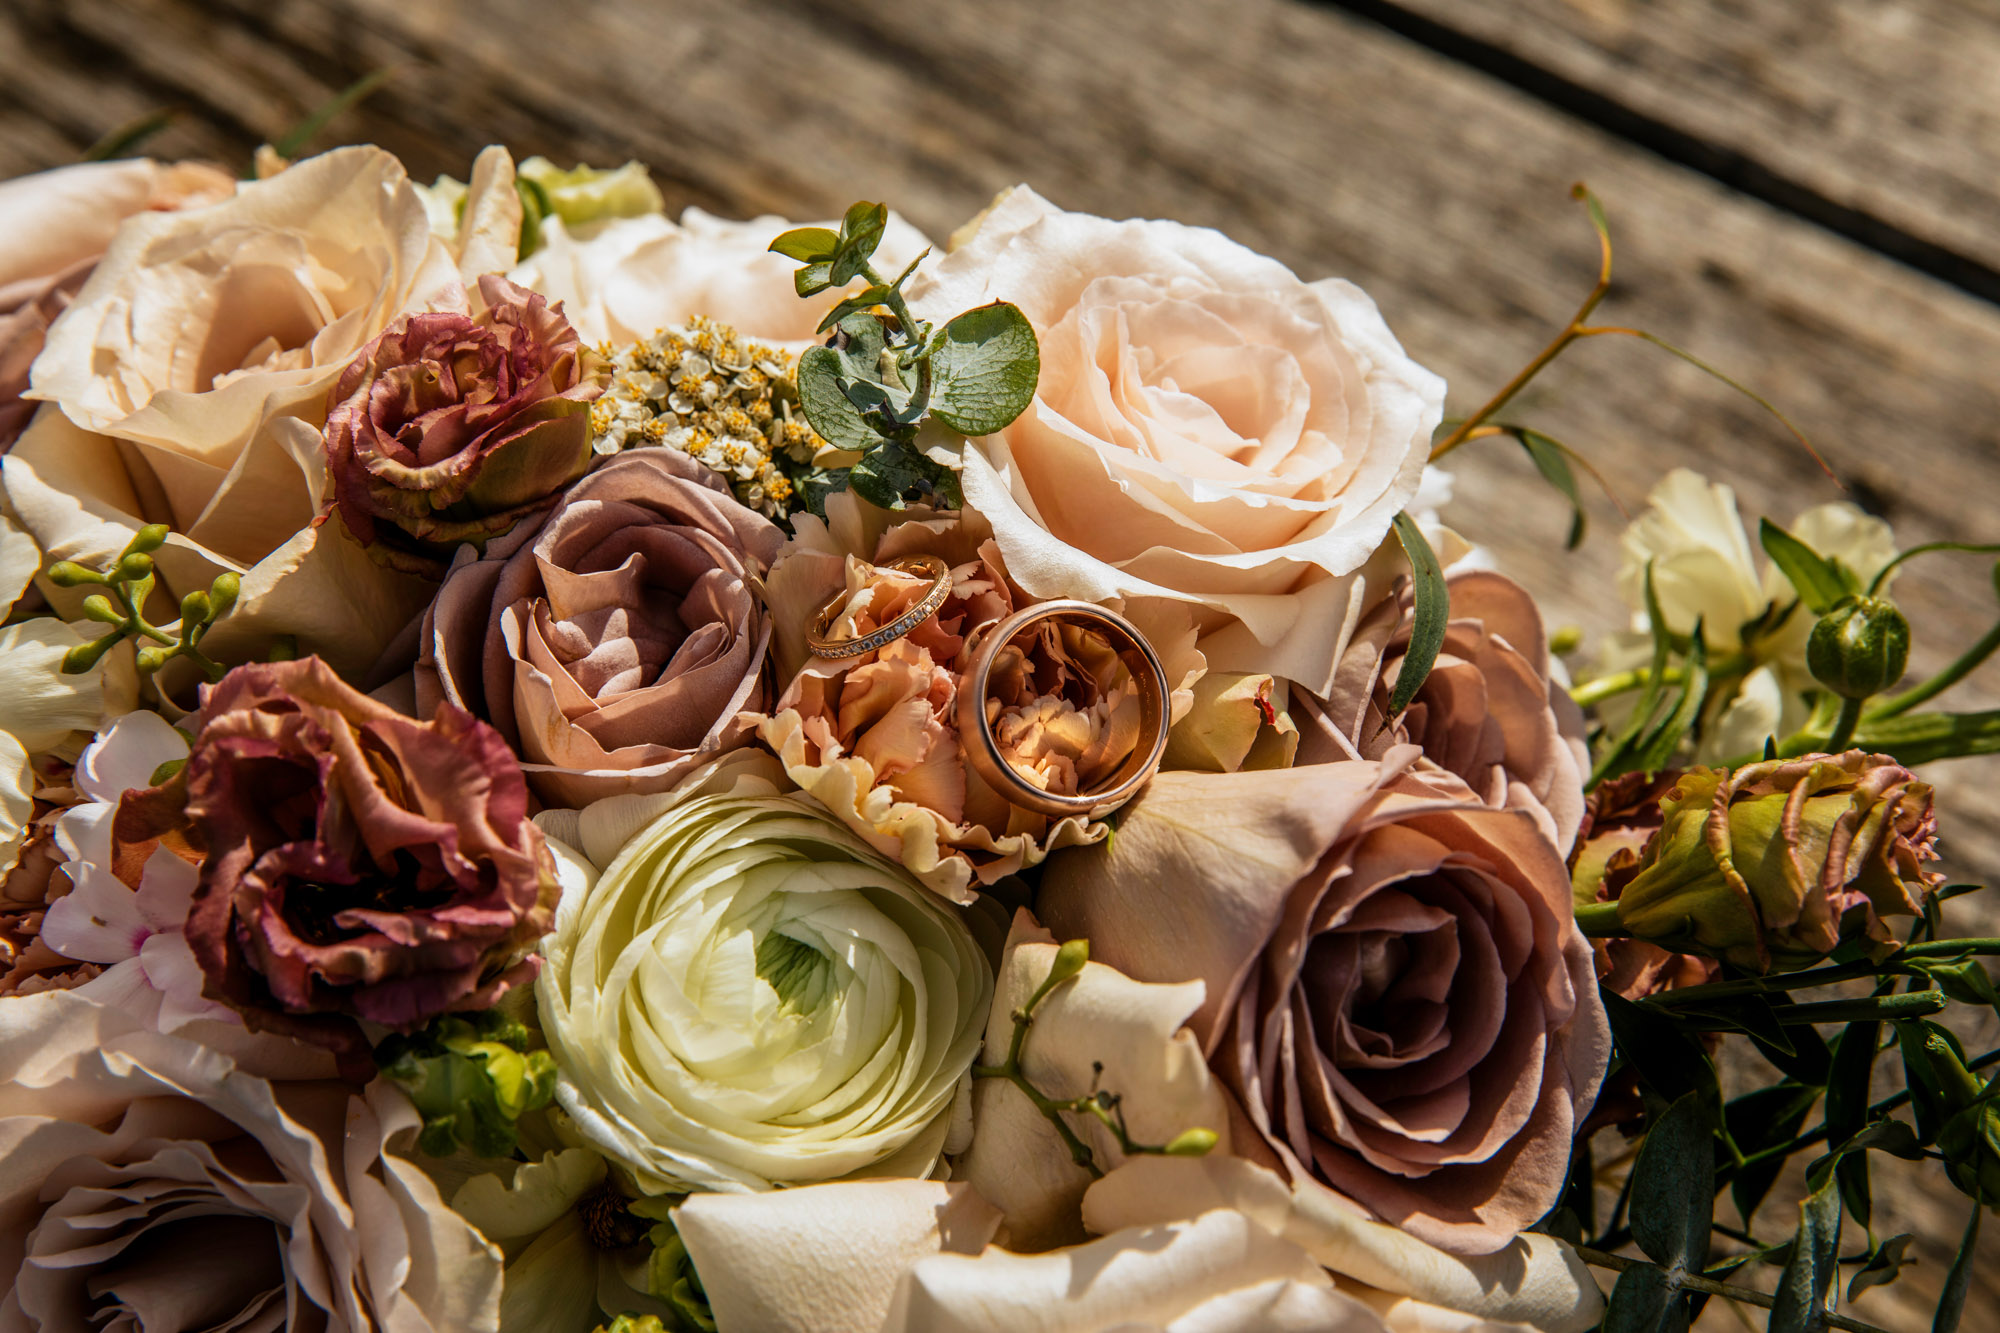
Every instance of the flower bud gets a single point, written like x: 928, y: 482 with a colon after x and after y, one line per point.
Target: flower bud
x: 222, y: 593
x: 135, y: 566
x: 1069, y: 961
x: 1196, y: 1142
x: 194, y: 607
x: 85, y: 655
x: 1860, y: 647
x: 98, y: 607
x: 149, y: 538
x: 151, y: 658
x: 1773, y: 865
x: 69, y: 574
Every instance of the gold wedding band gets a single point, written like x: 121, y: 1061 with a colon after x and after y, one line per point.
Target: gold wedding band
x: 927, y: 565
x: 982, y: 750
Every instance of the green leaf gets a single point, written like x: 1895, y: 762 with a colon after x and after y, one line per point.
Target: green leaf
x: 894, y: 472
x: 130, y: 135
x: 1765, y: 1118
x: 818, y: 484
x: 1432, y: 615
x: 288, y: 145
x: 813, y: 279
x: 1958, y: 1282
x: 1815, y: 1263
x: 807, y: 244
x: 1922, y: 738
x: 1673, y: 1187
x: 860, y: 303
x: 1847, y: 1082
x: 471, y: 1078
x: 1552, y: 462
x: 1668, y: 1059
x: 1885, y: 1263
x: 984, y: 368
x: 860, y: 232
x: 1644, y: 1301
x: 827, y: 406
x: 1819, y: 581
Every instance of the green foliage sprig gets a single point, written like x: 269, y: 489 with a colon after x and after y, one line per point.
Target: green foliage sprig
x: 1106, y: 1107
x: 881, y: 375
x: 127, y: 585
x: 472, y: 1078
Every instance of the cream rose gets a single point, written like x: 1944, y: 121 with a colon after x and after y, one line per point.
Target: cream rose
x: 631, y: 277
x: 192, y: 373
x: 1207, y: 427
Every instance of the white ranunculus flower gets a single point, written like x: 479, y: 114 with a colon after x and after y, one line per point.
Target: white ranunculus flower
x: 751, y: 996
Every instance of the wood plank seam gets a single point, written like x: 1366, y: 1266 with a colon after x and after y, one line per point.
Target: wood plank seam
x: 1736, y: 169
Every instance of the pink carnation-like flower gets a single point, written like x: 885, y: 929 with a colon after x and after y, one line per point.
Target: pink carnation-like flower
x: 452, y: 426
x: 358, y: 862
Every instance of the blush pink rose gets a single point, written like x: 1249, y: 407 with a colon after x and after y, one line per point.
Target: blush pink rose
x: 1491, y: 710
x: 1397, y: 994
x: 58, y: 224
x: 1207, y: 428
x: 615, y: 640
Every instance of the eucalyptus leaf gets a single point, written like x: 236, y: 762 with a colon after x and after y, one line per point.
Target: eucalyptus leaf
x: 1431, y: 617
x: 860, y: 233
x: 1847, y: 1110
x: 1819, y: 581
x: 860, y: 303
x: 1885, y: 1264
x: 1761, y: 1119
x: 1668, y: 1059
x: 888, y: 475
x: 984, y: 366
x: 813, y: 279
x: 827, y: 406
x: 1958, y: 1282
x: 1815, y: 1263
x: 1644, y: 1301
x: 1673, y: 1187
x: 807, y: 244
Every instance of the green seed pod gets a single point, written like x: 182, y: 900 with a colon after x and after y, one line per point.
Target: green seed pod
x: 84, y: 656
x: 149, y: 538
x: 1859, y: 647
x: 195, y: 608
x: 1195, y: 1142
x: 151, y: 658
x: 69, y: 574
x: 136, y: 566
x: 1069, y: 961
x: 98, y: 607
x: 222, y: 593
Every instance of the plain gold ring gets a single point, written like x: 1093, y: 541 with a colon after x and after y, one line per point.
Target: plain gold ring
x: 928, y: 566
x: 982, y: 749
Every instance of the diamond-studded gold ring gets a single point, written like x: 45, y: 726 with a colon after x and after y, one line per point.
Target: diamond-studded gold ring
x: 929, y: 566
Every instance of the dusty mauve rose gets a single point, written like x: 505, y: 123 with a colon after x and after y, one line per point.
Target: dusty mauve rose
x: 615, y: 640
x: 155, y: 1182
x: 1397, y: 993
x: 57, y: 224
x: 1207, y: 428
x: 874, y: 736
x: 453, y: 425
x: 1774, y: 864
x: 1489, y: 711
x: 359, y: 863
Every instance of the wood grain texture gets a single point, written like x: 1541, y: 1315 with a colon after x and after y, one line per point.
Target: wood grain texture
x: 1305, y: 133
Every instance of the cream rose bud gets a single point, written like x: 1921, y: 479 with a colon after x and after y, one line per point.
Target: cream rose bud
x: 1207, y: 427
x: 750, y: 996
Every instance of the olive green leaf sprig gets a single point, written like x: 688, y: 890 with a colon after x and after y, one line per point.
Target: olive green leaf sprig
x: 1107, y: 1107
x: 881, y: 375
x: 472, y: 1078
x: 121, y: 605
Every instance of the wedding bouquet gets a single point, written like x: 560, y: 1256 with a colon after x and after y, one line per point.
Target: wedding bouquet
x: 563, y: 769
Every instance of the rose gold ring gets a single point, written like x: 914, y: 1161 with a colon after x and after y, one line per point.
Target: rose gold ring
x: 982, y: 749
x: 929, y: 566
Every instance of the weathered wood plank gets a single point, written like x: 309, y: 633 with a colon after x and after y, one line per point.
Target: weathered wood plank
x: 1298, y: 130
x: 1879, y: 115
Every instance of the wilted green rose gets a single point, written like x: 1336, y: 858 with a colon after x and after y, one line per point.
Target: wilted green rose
x: 751, y: 996
x: 583, y: 195
x: 1773, y: 865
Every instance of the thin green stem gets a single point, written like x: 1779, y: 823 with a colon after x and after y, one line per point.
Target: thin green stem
x: 1843, y: 726
x: 1593, y: 692
x: 1724, y: 990
x: 1967, y: 663
x: 1599, y: 921
x: 1618, y: 1263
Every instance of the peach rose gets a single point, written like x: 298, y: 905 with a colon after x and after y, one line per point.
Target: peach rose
x: 191, y: 376
x: 873, y: 736
x: 613, y: 641
x: 1397, y: 993
x: 1491, y: 711
x: 631, y: 277
x: 57, y: 225
x: 1207, y: 428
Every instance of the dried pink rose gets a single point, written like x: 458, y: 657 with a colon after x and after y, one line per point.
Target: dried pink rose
x: 1491, y: 710
x: 453, y: 425
x: 358, y: 863
x: 1396, y: 991
x: 615, y: 641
